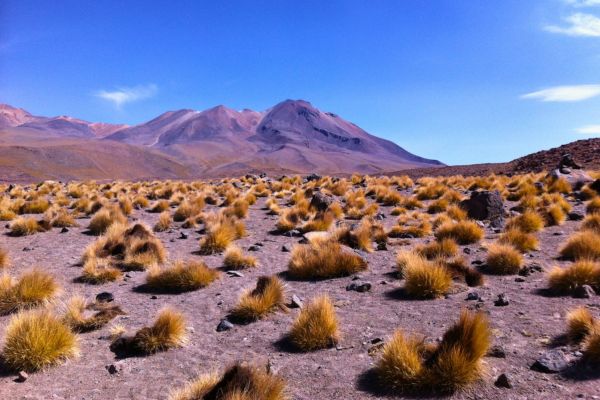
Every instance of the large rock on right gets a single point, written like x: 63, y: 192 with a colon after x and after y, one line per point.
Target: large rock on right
x: 485, y: 205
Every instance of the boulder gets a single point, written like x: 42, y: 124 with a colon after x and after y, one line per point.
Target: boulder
x: 320, y: 201
x: 484, y: 205
x: 576, y: 177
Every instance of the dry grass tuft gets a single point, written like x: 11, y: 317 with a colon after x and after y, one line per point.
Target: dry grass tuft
x: 32, y: 289
x: 582, y: 245
x: 439, y: 249
x: 265, y: 298
x: 239, y: 382
x: 528, y: 222
x: 591, y: 223
x: 580, y: 323
x: 235, y: 259
x: 4, y: 259
x: 163, y: 223
x: 407, y: 364
x: 522, y: 241
x: 168, y: 331
x: 593, y: 206
x: 591, y: 347
x: 24, y: 226
x: 425, y: 279
x: 316, y: 326
x: 217, y: 239
x: 503, y: 259
x: 565, y: 280
x: 98, y: 271
x: 75, y: 317
x: 104, y: 218
x: 180, y: 277
x: 463, y: 232
x: 323, y: 259
x: 36, y: 340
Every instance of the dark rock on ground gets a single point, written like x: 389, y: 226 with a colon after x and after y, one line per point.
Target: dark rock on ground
x: 551, y: 362
x: 503, y: 381
x: 584, y: 292
x: 104, y: 297
x: 224, y: 325
x: 485, y: 205
x: 502, y: 300
x: 320, y: 201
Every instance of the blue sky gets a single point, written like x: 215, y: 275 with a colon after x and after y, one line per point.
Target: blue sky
x: 461, y: 81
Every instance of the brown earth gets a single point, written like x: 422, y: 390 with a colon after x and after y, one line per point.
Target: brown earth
x: 523, y: 329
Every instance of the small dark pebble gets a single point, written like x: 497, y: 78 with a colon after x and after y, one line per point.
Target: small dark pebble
x: 105, y: 297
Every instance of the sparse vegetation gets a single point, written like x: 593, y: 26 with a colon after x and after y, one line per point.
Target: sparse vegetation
x: 32, y: 289
x: 316, y: 326
x: 463, y: 232
x: 582, y: 246
x: 503, y: 259
x: 180, y: 277
x: 265, y: 298
x: 565, y: 280
x: 323, y: 259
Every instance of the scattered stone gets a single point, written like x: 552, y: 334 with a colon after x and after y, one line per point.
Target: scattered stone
x: 293, y: 233
x: 551, y: 362
x: 558, y: 233
x: 22, y: 376
x: 359, y: 287
x: 576, y: 216
x: 285, y: 248
x: 224, y: 325
x: 502, y: 300
x: 576, y: 178
x: 259, y: 244
x: 477, y: 262
x: 467, y: 250
x: 105, y: 297
x: 530, y: 269
x: 503, y: 381
x: 485, y: 205
x: 235, y: 273
x: 64, y: 230
x: 253, y: 248
x: 112, y: 369
x: 153, y: 297
x: 595, y: 185
x: 473, y: 296
x: 312, y: 177
x: 320, y: 201
x: 380, y: 217
x: 519, y: 279
x: 296, y: 302
x: 381, y: 246
x: 584, y: 292
x: 497, y: 352
x: 183, y: 235
x: 27, y: 248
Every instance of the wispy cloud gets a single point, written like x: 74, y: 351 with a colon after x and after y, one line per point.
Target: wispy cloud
x: 565, y: 93
x: 124, y: 95
x: 593, y: 130
x: 583, y: 3
x: 578, y: 24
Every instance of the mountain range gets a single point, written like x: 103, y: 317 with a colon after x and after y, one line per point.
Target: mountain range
x: 288, y: 138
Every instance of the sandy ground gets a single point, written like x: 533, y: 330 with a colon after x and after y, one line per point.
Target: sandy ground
x: 523, y: 329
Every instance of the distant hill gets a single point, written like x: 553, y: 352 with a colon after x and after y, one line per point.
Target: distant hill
x: 291, y: 137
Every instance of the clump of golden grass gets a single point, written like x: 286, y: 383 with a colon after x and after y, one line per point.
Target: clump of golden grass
x: 503, y: 259
x: 140, y: 201
x: 4, y: 258
x: 126, y: 205
x: 98, y: 271
x: 582, y: 272
x: 32, y: 289
x: 316, y: 326
x: 320, y: 222
x: 458, y: 268
x: 323, y: 259
x: 424, y: 279
x: 408, y: 364
x: 591, y: 223
x: 582, y: 245
x: 593, y: 206
x: 554, y: 215
x: 218, y: 237
x: 235, y: 259
x: 159, y: 206
x: 63, y: 219
x: 410, y: 229
x: 36, y: 206
x: 239, y: 382
x: 75, y: 315
x: 362, y: 236
x: 180, y: 277
x: 168, y: 331
x: 163, y: 223
x: 265, y: 298
x: 24, y: 226
x: 463, y: 232
x: 580, y: 323
x: 529, y: 221
x: 439, y: 249
x: 104, y: 218
x: 520, y: 240
x: 36, y: 340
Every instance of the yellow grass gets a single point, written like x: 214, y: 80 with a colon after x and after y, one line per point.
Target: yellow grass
x: 565, y: 280
x: 582, y: 245
x: 463, y: 232
x: 316, y: 326
x: 323, y: 259
x: 265, y: 298
x: 503, y: 259
x: 32, y: 289
x: 180, y: 277
x: 235, y: 259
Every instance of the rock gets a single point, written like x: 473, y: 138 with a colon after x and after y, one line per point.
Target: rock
x: 105, y: 297
x: 359, y: 287
x: 27, y: 248
x: 485, y: 205
x: 467, y: 250
x: 497, y: 352
x: 576, y: 178
x: 312, y: 177
x: 503, y: 381
x: 584, y: 292
x: 473, y: 296
x: 575, y: 216
x: 64, y: 230
x: 551, y: 362
x: 22, y: 376
x: 595, y: 186
x: 320, y: 201
x: 285, y: 248
x: 234, y: 273
x: 293, y: 233
x: 519, y: 279
x: 477, y: 262
x: 112, y: 369
x: 539, y: 186
x: 224, y: 325
x: 530, y: 269
x: 153, y: 297
x: 253, y: 248
x: 502, y: 300
x: 567, y: 163
x: 316, y: 235
x: 381, y: 246
x: 380, y: 217
x: 296, y: 302
x: 183, y: 235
